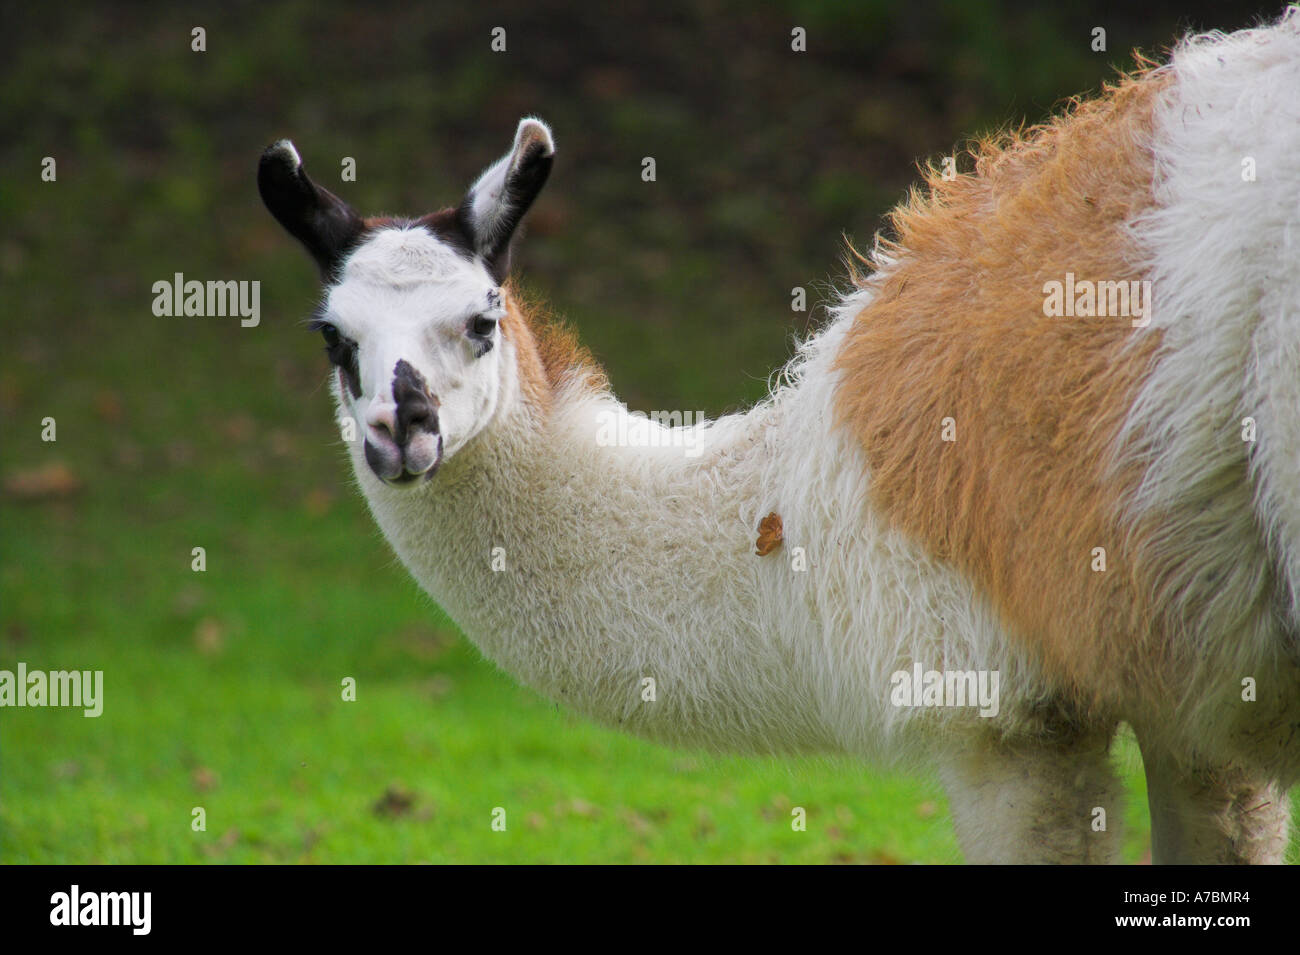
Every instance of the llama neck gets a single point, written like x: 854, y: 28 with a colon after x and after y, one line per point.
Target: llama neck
x: 610, y: 565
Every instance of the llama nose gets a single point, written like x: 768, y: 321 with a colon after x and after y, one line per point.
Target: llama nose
x: 416, y: 412
x: 416, y: 408
x: 383, y: 418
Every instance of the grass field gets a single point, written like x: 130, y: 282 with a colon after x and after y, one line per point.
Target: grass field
x: 223, y: 687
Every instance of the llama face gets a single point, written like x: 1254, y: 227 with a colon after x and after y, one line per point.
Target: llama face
x: 418, y: 353
x: 411, y: 312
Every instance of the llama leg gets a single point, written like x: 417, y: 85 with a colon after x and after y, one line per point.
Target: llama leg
x: 1202, y: 816
x: 1035, y: 803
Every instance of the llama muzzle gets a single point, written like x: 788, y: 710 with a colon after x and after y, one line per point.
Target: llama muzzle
x: 403, y: 441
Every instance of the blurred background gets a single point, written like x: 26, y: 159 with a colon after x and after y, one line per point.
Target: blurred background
x: 222, y: 687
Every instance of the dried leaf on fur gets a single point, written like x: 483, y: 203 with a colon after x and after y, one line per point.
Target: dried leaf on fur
x: 769, y: 534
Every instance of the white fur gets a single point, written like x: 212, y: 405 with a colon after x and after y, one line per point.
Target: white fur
x: 1224, y: 259
x: 287, y: 149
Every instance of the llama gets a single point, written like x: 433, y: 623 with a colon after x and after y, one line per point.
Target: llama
x: 962, y: 472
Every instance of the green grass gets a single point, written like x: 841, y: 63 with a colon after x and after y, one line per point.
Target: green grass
x: 223, y: 687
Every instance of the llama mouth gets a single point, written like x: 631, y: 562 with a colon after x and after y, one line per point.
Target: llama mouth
x: 403, y: 467
x: 408, y: 478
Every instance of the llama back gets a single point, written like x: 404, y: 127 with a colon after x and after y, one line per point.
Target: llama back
x: 1073, y: 376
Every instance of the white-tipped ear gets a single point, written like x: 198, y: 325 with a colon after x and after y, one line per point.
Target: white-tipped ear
x: 495, y: 204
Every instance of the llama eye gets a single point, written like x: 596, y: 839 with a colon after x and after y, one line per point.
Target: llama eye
x: 482, y: 326
x: 342, y: 353
x: 340, y: 350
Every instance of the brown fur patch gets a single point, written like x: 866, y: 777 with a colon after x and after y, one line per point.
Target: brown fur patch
x: 1022, y: 496
x: 443, y: 224
x: 550, y: 357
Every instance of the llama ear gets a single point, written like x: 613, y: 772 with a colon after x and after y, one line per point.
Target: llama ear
x: 495, y: 204
x: 317, y: 218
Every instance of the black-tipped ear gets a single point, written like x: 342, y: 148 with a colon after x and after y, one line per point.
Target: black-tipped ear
x: 317, y: 218
x: 494, y: 206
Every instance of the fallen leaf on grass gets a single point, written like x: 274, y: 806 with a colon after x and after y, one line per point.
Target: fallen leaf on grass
x: 281, y: 443
x: 224, y: 844
x: 395, y: 802
x: 209, y: 636
x: 638, y: 823
x: 576, y: 807
x: 317, y: 502
x: 309, y: 839
x: 204, y: 779
x: 53, y: 480
x: 108, y: 406
x: 238, y: 428
x: 439, y: 686
x: 187, y: 599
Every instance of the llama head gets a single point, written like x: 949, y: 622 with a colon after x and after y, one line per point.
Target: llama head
x: 412, y: 308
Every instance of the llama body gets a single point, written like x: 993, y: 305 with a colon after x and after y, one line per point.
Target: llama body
x: 747, y: 654
x: 586, y: 569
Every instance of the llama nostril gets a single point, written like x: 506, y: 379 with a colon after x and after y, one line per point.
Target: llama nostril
x: 416, y: 412
x: 384, y: 460
x: 383, y: 419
